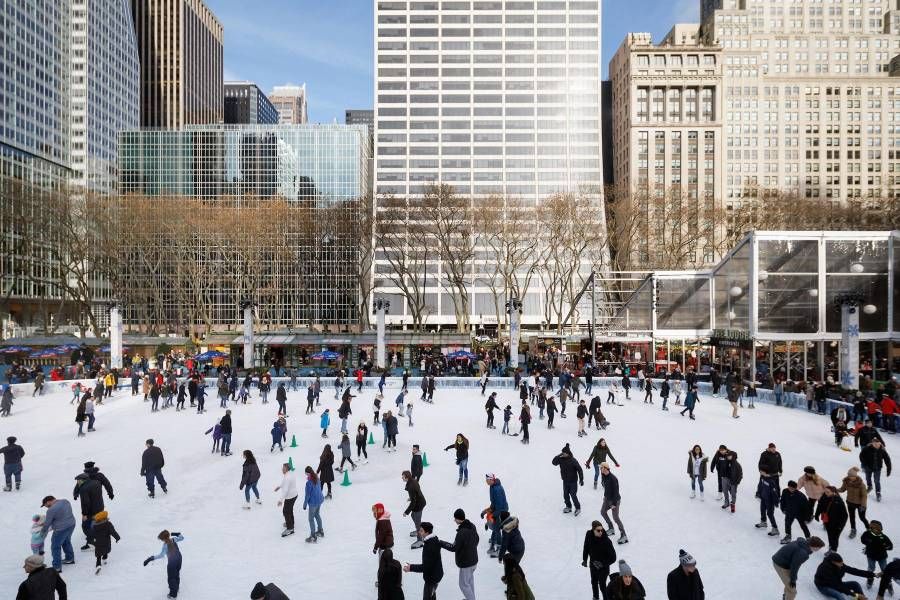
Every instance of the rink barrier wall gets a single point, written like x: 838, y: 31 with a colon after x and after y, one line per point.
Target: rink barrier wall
x: 600, y: 386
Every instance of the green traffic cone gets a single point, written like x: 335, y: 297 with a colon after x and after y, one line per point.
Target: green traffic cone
x: 346, y: 480
x: 290, y: 463
x: 371, y: 439
x: 293, y: 441
x: 425, y: 460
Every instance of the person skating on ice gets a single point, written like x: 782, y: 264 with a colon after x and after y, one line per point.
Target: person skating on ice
x: 690, y: 402
x: 624, y: 585
x: 431, y: 567
x: 598, y: 456
x: 857, y: 498
x: 362, y: 440
x: 696, y: 469
x: 795, y: 508
x: 288, y: 497
x: 325, y: 470
x: 416, y: 466
x: 498, y: 504
x: 767, y: 492
x: 312, y: 504
x: 684, y: 582
x: 103, y: 532
x: 415, y: 507
x: 172, y: 553
x: 732, y: 476
x: 152, y: 462
x: 572, y: 476
x: 790, y: 557
x: 461, y: 446
x: 597, y: 554
x: 813, y: 485
x: 829, y: 578
x: 490, y: 406
x: 832, y: 512
x: 465, y: 552
x: 612, y: 499
x: 346, y: 453
x: 876, y: 547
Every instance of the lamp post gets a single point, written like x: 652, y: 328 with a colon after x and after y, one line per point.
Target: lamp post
x: 247, y: 306
x: 850, y: 304
x: 514, y: 309
x: 115, y: 335
x: 381, y: 308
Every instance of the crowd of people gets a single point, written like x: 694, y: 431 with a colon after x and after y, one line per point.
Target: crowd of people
x: 808, y: 498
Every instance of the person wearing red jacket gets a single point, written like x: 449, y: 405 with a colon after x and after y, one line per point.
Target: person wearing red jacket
x: 888, y: 410
x: 874, y: 411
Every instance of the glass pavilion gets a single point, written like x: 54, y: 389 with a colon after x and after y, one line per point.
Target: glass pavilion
x: 768, y: 308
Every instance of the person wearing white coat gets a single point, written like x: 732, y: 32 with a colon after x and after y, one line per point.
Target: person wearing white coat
x: 288, y: 489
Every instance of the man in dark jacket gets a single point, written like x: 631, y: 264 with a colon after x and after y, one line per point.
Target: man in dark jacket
x: 789, y: 558
x: 888, y: 574
x: 717, y: 466
x: 599, y: 550
x: 12, y: 462
x: 42, y: 583
x: 152, y: 463
x: 873, y: 458
x: 770, y: 464
x: 795, y: 506
x: 415, y: 464
x: 465, y: 549
x: 431, y: 568
x: 611, y: 501
x: 830, y: 574
x: 416, y: 506
x: 225, y: 422
x: 92, y: 471
x: 866, y: 434
x: 270, y: 591
x: 683, y: 582
x: 572, y: 475
x: 90, y: 493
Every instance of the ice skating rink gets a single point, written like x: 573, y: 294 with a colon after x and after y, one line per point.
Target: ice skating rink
x: 227, y: 549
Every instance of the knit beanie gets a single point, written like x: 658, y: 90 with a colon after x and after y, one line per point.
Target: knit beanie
x: 35, y: 561
x: 11, y: 440
x: 459, y: 514
x: 259, y: 591
x: 686, y: 559
x: 567, y: 450
x: 100, y: 516
x: 624, y: 569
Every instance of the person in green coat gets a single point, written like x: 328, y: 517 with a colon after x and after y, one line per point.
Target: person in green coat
x: 514, y: 578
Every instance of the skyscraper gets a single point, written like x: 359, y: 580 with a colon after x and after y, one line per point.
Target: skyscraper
x: 104, y: 88
x: 246, y: 104
x: 358, y: 116
x: 290, y: 101
x: 491, y: 97
x: 180, y: 46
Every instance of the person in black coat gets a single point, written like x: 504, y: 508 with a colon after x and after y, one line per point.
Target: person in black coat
x: 598, y: 549
x: 572, y: 475
x: 830, y: 574
x: 770, y: 463
x: 832, y: 512
x: 684, y: 582
x: 152, y: 462
x: 103, y: 533
x: 431, y: 567
x: 490, y: 406
x: 270, y: 591
x: 866, y: 434
x: 416, y: 505
x: 465, y: 550
x: 227, y: 430
x: 415, y: 464
x: 94, y: 473
x: 390, y: 577
x: 42, y: 583
x: 281, y: 398
x: 873, y: 458
x: 91, y: 496
x: 795, y: 506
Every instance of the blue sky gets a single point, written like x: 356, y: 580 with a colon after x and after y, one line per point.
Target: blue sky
x: 329, y: 43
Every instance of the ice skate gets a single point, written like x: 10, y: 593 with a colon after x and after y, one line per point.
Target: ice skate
x: 417, y: 544
x: 577, y: 511
x: 852, y: 534
x: 623, y: 539
x: 567, y: 510
x: 693, y: 494
x: 287, y: 532
x: 311, y: 539
x: 773, y: 532
x: 786, y: 539
x: 761, y: 525
x: 320, y: 533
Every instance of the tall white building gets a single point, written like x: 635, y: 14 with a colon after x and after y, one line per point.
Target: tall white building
x: 290, y: 102
x: 104, y: 88
x: 491, y: 97
x: 811, y: 106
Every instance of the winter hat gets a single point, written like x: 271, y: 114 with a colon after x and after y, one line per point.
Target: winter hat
x: 378, y: 509
x: 852, y: 471
x: 259, y: 591
x: 101, y: 516
x: 490, y: 476
x: 624, y: 569
x: 686, y: 559
x: 835, y: 557
x: 35, y: 561
x: 809, y: 470
x: 46, y: 500
x: 771, y: 444
x: 459, y: 514
x: 11, y: 439
x: 36, y: 518
x: 504, y: 515
x: 88, y: 465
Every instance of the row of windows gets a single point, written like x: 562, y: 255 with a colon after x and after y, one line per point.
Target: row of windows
x: 389, y: 32
x: 508, y: 18
x: 455, y: 45
x: 495, y: 5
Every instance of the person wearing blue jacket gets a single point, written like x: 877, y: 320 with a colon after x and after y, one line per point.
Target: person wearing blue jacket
x: 277, y: 436
x: 60, y: 519
x: 767, y: 492
x: 312, y: 503
x: 689, y: 402
x: 172, y: 553
x: 788, y: 560
x: 498, y: 504
x: 324, y: 422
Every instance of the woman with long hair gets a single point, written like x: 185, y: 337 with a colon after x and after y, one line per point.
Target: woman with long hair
x: 325, y: 471
x: 514, y: 578
x: 312, y: 502
x: 696, y: 469
x: 249, y: 478
x: 390, y: 577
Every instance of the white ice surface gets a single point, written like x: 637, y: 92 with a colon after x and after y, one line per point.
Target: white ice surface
x: 227, y: 549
